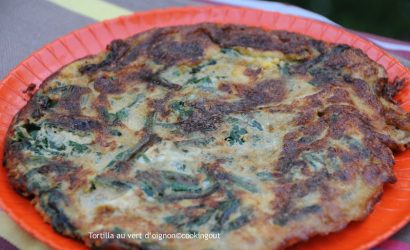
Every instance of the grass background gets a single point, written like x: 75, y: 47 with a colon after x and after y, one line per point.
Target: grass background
x: 390, y: 18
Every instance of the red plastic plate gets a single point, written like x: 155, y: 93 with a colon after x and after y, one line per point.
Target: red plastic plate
x: 389, y: 215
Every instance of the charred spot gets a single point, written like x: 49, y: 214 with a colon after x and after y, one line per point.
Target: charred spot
x: 307, y: 65
x: 116, y: 50
x: 108, y: 85
x: 152, y: 79
x: 296, y: 44
x: 90, y: 68
x: 372, y: 174
x: 142, y: 48
x: 340, y: 117
x: 388, y: 141
x: 299, y: 189
x: 338, y: 96
x: 201, y: 121
x: 318, y: 180
x: 304, y: 117
x: 364, y: 91
x: 320, y: 113
x: 318, y: 45
x: 267, y: 91
x: 335, y: 59
x: 294, y: 143
x: 397, y: 117
x: 84, y: 124
x: 36, y: 114
x: 348, y: 78
x: 204, y: 117
x: 325, y: 68
x: 225, y: 87
x: 252, y: 73
x: 324, y: 76
x: 56, y: 167
x: 30, y: 89
x: 257, y: 40
x: 19, y: 184
x: 232, y: 36
x: 286, y: 210
x: 286, y: 164
x: 379, y: 150
x: 169, y: 52
x: 389, y: 90
x: 70, y: 99
x: 44, y: 102
x: 121, y: 167
x: 344, y: 175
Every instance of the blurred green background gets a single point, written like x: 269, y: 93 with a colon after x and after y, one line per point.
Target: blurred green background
x: 389, y: 18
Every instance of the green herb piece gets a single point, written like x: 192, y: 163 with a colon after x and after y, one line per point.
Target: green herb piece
x: 265, y: 176
x: 176, y: 73
x: 230, y: 52
x: 201, y: 219
x: 148, y: 190
x: 284, y: 217
x: 225, y: 217
x: 204, y: 80
x: 19, y: 134
x: 53, y: 145
x: 198, y: 68
x: 113, y: 183
x: 314, y: 159
x: 196, y: 142
x: 236, y: 135
x: 115, y: 132
x: 167, y: 186
x: 227, y: 180
x: 226, y: 208
x: 137, y: 99
x: 117, y: 230
x: 244, y: 183
x: 115, y: 117
x: 149, y: 121
x: 256, y: 125
x: 77, y: 147
x: 225, y: 213
x: 180, y: 108
x: 284, y: 69
x: 144, y: 157
x: 175, y: 220
x: 180, y: 166
x: 237, y: 223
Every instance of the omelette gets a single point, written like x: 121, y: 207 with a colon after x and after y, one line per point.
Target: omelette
x: 208, y: 136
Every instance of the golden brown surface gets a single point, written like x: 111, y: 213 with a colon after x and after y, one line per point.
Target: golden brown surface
x: 266, y: 137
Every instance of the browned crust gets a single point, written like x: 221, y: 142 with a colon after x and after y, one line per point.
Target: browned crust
x: 339, y: 62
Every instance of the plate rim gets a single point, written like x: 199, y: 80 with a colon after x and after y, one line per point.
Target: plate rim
x: 189, y: 10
